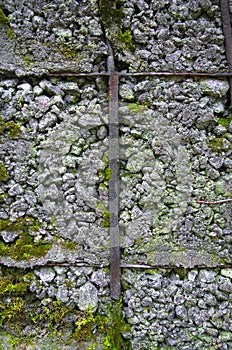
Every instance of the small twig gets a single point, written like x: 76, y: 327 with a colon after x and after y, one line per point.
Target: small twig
x: 216, y: 202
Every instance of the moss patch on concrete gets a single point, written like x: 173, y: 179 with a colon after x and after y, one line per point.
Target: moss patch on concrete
x: 24, y: 247
x: 111, y: 15
x: 10, y: 129
x: 90, y: 329
x: 3, y: 173
x: 3, y: 18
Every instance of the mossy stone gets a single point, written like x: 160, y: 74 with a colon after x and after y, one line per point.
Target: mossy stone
x: 3, y: 173
x: 24, y: 247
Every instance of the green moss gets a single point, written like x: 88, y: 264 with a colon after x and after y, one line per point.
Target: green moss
x: 3, y: 173
x: 69, y: 245
x: 109, y: 13
x: 126, y: 38
x: 24, y: 247
x: 105, y: 176
x: 4, y: 23
x: 225, y: 121
x: 13, y: 129
x: 111, y: 18
x: 67, y: 51
x: 11, y: 34
x: 115, y: 328
x: 11, y: 310
x: 50, y: 319
x: 3, y: 18
x: 106, y: 219
x: 152, y: 271
x: 105, y: 214
x: 3, y: 197
x: 182, y: 272
x: 136, y: 108
x: 85, y: 325
x: 10, y: 128
x: 29, y: 60
x: 112, y: 326
x: 12, y: 299
x: 52, y: 315
x: 8, y: 288
x: 218, y: 145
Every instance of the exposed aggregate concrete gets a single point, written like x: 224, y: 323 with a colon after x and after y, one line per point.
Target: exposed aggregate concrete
x: 170, y: 310
x: 53, y: 35
x: 175, y: 149
x: 171, y: 157
x: 146, y: 36
x: 57, y: 163
x: 174, y: 36
x: 166, y: 309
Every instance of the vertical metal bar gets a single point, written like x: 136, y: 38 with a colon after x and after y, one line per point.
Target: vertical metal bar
x: 115, y: 288
x: 226, y: 26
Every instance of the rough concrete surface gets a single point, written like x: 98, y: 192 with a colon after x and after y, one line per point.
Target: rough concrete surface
x: 175, y: 185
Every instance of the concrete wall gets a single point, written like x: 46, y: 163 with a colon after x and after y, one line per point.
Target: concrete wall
x: 175, y: 149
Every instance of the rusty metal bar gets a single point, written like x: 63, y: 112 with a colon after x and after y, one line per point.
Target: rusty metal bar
x: 115, y: 272
x: 153, y: 74
x: 226, y: 26
x: 222, y: 201
x: 138, y: 266
x: 115, y: 289
x: 77, y: 74
x: 179, y: 74
x: 123, y: 266
x: 129, y: 74
x: 138, y: 74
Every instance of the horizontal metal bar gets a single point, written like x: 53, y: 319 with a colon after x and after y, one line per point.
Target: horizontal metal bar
x: 126, y: 74
x: 140, y: 74
x: 178, y: 74
x: 138, y: 266
x: 222, y: 201
x: 76, y: 74
x: 123, y: 266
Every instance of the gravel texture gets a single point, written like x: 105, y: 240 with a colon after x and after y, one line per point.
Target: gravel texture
x: 179, y: 309
x: 175, y: 149
x: 171, y: 36
x: 42, y: 36
x: 163, y: 309
x: 145, y: 35
x: 57, y: 164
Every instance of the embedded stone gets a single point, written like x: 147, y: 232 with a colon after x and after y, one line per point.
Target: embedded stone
x: 43, y: 103
x: 226, y: 273
x: 207, y: 276
x: 15, y: 190
x: 46, y: 274
x: 214, y: 87
x: 9, y: 236
x: 126, y: 92
x: 87, y: 297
